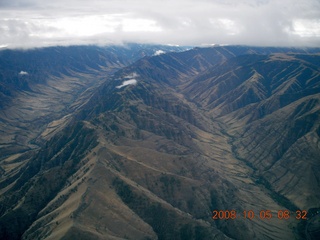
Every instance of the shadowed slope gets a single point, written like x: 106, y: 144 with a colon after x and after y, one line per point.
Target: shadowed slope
x: 224, y: 128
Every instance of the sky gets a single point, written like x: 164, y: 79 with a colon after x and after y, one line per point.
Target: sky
x: 40, y: 23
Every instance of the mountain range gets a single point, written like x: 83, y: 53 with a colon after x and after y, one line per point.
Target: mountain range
x: 125, y: 143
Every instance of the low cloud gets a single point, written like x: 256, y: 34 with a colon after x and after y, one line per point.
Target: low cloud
x: 159, y: 52
x: 23, y: 73
x: 128, y: 82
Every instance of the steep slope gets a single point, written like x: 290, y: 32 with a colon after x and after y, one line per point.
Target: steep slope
x: 41, y: 87
x: 272, y: 104
x: 118, y: 166
x: 20, y: 69
x: 167, y: 140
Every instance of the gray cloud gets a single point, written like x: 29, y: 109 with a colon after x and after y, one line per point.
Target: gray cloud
x: 35, y: 23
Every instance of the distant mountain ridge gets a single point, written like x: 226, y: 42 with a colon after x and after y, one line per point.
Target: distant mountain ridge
x: 220, y: 128
x: 39, y: 85
x: 39, y: 64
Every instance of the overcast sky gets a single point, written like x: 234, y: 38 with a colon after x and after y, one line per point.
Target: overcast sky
x: 37, y: 23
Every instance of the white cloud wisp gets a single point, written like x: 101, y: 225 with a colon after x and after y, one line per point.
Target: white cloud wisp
x: 128, y: 82
x: 23, y: 73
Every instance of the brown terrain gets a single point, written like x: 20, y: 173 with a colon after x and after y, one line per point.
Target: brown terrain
x: 148, y: 149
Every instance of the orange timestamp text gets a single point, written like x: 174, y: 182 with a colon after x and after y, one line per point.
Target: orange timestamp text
x: 263, y: 214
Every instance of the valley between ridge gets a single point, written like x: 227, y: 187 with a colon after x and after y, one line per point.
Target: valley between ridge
x: 169, y: 139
